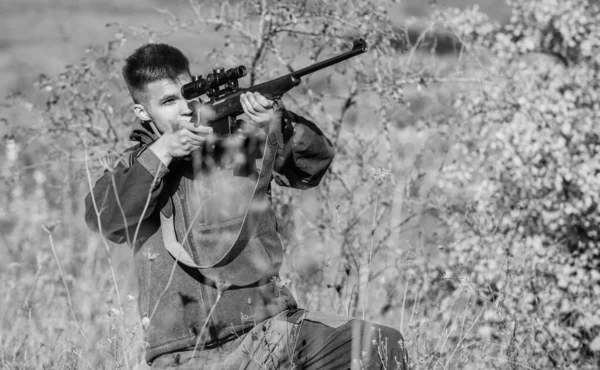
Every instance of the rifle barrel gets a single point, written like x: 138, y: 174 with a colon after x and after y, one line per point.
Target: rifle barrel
x: 360, y: 46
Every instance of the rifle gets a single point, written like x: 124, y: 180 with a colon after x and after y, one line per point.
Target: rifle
x: 223, y: 91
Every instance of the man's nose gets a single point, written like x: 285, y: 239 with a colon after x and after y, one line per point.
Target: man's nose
x: 195, y: 105
x: 186, y: 108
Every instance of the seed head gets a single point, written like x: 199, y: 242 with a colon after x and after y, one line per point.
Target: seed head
x: 347, y: 268
x: 280, y: 284
x: 114, y: 312
x: 222, y: 285
x: 247, y: 318
x: 379, y: 175
x: 50, y: 226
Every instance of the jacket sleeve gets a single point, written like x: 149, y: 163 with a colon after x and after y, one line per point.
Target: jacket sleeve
x: 310, y: 156
x: 120, y: 196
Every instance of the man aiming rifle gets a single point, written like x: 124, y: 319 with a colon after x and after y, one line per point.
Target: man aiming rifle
x: 197, y: 212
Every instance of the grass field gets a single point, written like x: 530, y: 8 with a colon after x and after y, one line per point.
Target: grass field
x: 55, y: 273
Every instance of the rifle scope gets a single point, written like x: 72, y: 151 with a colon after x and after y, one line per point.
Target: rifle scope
x: 212, y: 81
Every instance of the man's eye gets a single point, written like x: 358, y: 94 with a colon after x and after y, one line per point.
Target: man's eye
x: 168, y: 101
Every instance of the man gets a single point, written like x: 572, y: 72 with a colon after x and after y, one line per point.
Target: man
x: 197, y: 213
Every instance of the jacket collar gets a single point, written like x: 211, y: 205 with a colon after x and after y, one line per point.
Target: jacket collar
x: 142, y: 133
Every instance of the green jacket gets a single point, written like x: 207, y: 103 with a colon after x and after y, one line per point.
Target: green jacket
x: 207, y: 213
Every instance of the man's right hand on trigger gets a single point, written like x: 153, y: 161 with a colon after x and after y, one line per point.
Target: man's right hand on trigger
x: 181, y: 142
x: 184, y: 136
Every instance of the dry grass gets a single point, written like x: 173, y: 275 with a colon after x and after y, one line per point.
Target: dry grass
x: 68, y: 299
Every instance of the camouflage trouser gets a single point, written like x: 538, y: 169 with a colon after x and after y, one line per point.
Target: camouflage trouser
x: 301, y: 340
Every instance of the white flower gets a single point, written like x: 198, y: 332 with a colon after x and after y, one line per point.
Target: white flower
x: 379, y: 175
x: 145, y: 322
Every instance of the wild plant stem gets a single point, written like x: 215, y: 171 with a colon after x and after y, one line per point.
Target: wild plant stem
x: 105, y: 243
x: 462, y: 337
x: 337, y: 213
x: 304, y: 315
x: 200, y: 335
x: 412, y: 315
x: 114, y: 184
x: 62, y: 276
x: 164, y: 290
x: 403, y: 306
x: 139, y: 224
x: 368, y: 273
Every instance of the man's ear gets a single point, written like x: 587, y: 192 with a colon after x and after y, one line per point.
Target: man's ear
x: 141, y: 112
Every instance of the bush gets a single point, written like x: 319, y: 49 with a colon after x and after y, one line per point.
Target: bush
x: 525, y: 165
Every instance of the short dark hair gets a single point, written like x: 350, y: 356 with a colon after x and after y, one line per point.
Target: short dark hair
x: 153, y: 62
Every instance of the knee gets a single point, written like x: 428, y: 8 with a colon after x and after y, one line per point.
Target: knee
x: 392, y: 335
x: 395, y: 350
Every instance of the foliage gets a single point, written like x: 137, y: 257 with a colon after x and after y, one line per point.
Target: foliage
x: 526, y: 167
x: 474, y: 231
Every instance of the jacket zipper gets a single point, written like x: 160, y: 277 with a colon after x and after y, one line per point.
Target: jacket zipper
x: 204, y: 293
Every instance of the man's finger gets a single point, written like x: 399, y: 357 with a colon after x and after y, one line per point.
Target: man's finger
x: 244, y: 100
x: 201, y: 130
x: 189, y: 142
x: 264, y: 102
x: 189, y: 136
x: 254, y: 117
x: 255, y: 104
x: 247, y: 106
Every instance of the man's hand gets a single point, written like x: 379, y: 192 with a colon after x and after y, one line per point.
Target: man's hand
x: 183, y: 137
x: 260, y: 110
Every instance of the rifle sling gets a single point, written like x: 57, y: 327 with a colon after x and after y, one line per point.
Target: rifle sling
x: 181, y: 255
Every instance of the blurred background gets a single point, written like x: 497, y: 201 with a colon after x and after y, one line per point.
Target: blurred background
x: 42, y: 36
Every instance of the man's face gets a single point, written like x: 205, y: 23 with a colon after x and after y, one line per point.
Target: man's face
x: 164, y: 105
